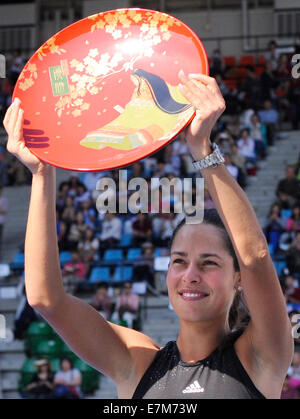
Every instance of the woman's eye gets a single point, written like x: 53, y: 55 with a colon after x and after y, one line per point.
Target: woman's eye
x: 178, y: 261
x: 209, y: 262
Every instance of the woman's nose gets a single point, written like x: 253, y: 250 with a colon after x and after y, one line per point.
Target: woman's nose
x: 192, y: 275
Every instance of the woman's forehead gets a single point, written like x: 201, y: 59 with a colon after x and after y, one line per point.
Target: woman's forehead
x: 203, y: 237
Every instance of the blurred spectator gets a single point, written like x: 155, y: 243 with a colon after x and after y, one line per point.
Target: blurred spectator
x: 222, y: 85
x: 293, y: 256
x: 6, y: 89
x: 246, y: 146
x: 237, y: 158
x: 76, y: 231
x: 73, y: 273
x: 268, y: 82
x: 111, y: 230
x: 208, y: 202
x: 251, y: 87
x: 67, y: 381
x: 170, y: 221
x: 141, y: 229
x: 292, y: 290
x: 274, y: 226
x: 137, y: 171
x: 83, y: 195
x: 127, y: 306
x: 102, y: 302
x: 288, y: 189
x: 259, y: 134
x: 3, y: 167
x: 295, y: 372
x: 62, y: 236
x: 143, y: 266
x: 160, y: 170
x: 89, y: 213
x: 68, y: 214
x: 288, y: 392
x: 62, y: 195
x: 24, y: 316
x: 172, y: 161
x: 293, y: 223
x: 3, y: 212
x: 232, y: 168
x: 294, y: 99
x: 74, y: 182
x: 91, y: 179
x: 88, y: 246
x: 17, y: 173
x: 41, y: 384
x: 217, y: 63
x: 284, y: 69
x: 272, y: 54
x: 269, y: 117
x: 225, y: 141
x: 180, y: 146
x: 17, y: 64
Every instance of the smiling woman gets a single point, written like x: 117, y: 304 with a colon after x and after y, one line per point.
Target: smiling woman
x: 210, y: 261
x: 238, y: 314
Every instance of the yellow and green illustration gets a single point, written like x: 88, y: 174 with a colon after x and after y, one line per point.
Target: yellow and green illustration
x: 153, y: 110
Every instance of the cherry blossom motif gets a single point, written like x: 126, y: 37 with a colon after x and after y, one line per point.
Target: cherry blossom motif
x: 95, y: 67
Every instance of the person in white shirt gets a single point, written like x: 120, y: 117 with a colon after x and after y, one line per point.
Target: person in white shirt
x: 232, y: 168
x: 273, y: 54
x: 67, y: 381
x: 246, y: 146
x: 111, y: 230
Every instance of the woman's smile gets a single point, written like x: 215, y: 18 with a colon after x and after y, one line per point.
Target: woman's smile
x: 192, y: 295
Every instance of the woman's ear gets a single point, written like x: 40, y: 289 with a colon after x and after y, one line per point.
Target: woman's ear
x: 237, y: 280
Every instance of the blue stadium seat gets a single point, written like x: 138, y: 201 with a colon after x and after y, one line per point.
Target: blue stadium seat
x: 113, y: 256
x: 99, y: 275
x: 133, y: 254
x: 280, y: 265
x: 271, y: 249
x: 64, y: 257
x: 18, y: 262
x: 122, y: 274
x: 286, y: 213
x: 160, y: 251
x: 125, y: 240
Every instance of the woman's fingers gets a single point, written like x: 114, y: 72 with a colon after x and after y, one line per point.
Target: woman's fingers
x: 18, y: 131
x: 13, y: 116
x: 197, y: 99
x: 202, y: 92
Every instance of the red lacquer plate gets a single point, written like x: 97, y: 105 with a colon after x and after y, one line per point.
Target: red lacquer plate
x: 103, y: 92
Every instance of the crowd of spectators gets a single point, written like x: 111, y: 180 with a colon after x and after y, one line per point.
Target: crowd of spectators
x: 64, y: 384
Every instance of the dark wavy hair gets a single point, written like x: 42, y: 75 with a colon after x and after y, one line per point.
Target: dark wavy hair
x: 239, y: 313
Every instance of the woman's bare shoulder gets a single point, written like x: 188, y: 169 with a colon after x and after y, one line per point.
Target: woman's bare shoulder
x: 142, y: 349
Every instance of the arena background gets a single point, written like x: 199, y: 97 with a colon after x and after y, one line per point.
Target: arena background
x: 236, y: 35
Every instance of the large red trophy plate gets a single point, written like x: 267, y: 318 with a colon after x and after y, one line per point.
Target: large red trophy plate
x: 103, y: 92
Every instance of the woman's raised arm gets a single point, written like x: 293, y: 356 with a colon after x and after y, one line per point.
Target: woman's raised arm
x: 269, y: 333
x: 109, y: 348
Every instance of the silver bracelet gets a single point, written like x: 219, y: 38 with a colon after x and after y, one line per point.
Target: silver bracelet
x: 212, y: 160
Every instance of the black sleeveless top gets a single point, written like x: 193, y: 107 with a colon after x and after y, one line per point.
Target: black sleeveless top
x: 219, y: 376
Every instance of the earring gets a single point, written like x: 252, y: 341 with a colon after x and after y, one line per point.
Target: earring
x: 240, y: 288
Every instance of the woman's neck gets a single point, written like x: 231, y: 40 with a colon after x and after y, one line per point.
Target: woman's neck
x: 198, y: 340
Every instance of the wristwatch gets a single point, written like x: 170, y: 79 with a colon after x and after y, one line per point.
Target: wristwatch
x: 212, y: 160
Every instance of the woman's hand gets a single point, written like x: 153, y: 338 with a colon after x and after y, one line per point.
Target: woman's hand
x: 13, y: 123
x: 204, y: 94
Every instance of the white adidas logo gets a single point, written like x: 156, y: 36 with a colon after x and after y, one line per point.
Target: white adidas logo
x: 193, y: 388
